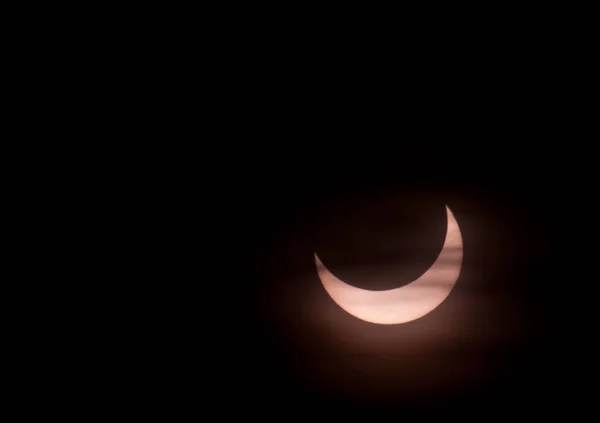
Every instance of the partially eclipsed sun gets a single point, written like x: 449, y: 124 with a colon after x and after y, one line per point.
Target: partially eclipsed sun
x: 409, y: 302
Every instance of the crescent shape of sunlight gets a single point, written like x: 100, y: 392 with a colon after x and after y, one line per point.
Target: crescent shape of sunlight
x: 409, y: 302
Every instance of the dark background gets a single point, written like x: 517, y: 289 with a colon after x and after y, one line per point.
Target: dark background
x: 243, y: 169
